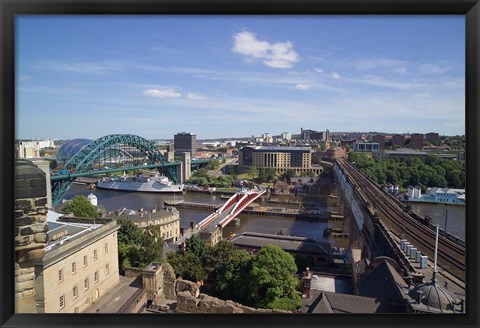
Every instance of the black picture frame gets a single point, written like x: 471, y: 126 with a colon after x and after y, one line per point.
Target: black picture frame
x: 11, y: 8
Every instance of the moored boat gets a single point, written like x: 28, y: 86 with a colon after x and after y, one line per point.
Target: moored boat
x: 157, y: 183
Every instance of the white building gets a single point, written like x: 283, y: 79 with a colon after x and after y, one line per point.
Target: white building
x: 414, y: 192
x: 286, y: 135
x: 31, y: 149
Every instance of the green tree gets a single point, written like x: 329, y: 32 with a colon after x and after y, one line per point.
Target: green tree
x: 136, y: 247
x: 213, y: 164
x: 81, y: 207
x: 268, y: 174
x: 253, y: 171
x: 232, y: 279
x: 272, y: 279
x: 187, y: 265
x: 288, y: 174
x: 197, y: 246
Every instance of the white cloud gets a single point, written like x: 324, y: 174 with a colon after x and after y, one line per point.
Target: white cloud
x: 371, y: 63
x: 276, y: 55
x: 318, y: 70
x: 335, y: 75
x: 194, y: 96
x: 165, y: 93
x: 281, y: 55
x: 433, y: 69
x: 247, y: 44
x: 25, y: 78
x: 96, y: 68
x: 303, y: 86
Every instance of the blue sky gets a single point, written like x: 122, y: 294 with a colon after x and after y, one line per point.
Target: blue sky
x: 234, y: 76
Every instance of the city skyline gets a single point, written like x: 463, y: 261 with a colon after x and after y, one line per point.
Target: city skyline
x: 236, y: 76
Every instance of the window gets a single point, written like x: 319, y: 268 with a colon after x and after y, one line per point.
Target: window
x: 85, y: 284
x: 107, y: 269
x: 62, y: 301
x: 95, y: 255
x: 75, y: 291
x: 85, y: 261
x: 96, y: 276
x: 74, y: 267
x: 60, y: 275
x: 106, y: 248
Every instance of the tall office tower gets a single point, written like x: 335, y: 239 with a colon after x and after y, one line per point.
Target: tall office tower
x: 185, y: 142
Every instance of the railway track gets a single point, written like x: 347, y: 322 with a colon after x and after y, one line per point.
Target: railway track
x: 451, y: 256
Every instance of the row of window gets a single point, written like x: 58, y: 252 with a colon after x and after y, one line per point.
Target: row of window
x: 85, y: 262
x: 86, y: 285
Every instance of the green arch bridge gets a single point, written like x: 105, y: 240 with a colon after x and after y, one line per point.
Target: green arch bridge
x: 106, y: 155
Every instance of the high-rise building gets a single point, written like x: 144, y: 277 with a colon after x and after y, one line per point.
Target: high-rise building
x: 185, y: 142
x: 416, y: 140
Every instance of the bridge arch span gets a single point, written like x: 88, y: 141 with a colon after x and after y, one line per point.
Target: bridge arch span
x: 93, y: 152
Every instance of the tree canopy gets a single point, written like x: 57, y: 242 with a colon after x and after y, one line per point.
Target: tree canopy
x: 81, y: 207
x: 137, y: 247
x: 431, y: 171
x: 266, y: 279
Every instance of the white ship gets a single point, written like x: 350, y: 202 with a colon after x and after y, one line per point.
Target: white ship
x: 158, y: 183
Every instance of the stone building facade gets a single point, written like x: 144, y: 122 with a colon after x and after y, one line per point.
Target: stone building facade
x: 80, y: 265
x: 166, y: 220
x: 30, y: 231
x: 281, y: 159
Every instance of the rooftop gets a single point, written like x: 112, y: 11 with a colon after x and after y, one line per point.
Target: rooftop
x: 279, y: 148
x: 287, y: 243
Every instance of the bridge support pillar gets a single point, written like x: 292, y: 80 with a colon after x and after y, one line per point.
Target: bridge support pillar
x: 186, y: 167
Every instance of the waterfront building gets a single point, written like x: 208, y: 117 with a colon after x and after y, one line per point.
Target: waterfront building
x: 447, y: 196
x: 167, y: 221
x: 414, y: 192
x: 185, y: 142
x: 416, y: 141
x: 281, y: 159
x: 80, y: 265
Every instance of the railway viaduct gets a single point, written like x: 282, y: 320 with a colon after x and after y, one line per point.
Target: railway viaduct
x: 378, y: 223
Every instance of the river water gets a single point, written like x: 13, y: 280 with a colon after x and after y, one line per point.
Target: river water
x: 113, y: 200
x: 454, y: 214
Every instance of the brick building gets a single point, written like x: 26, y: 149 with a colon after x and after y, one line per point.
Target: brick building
x: 416, y: 141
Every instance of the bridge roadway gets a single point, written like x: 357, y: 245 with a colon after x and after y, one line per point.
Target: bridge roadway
x: 393, y: 215
x: 231, y: 209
